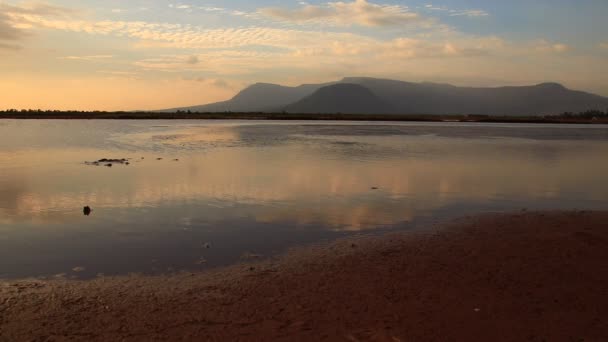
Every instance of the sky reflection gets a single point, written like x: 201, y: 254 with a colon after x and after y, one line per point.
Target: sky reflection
x: 293, y: 180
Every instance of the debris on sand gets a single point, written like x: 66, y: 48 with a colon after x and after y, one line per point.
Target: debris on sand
x: 114, y: 161
x: 251, y: 256
x: 176, y: 160
x: 159, y: 158
x: 87, y: 211
x: 108, y: 162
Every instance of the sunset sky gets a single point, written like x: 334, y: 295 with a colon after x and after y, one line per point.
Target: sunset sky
x: 126, y: 55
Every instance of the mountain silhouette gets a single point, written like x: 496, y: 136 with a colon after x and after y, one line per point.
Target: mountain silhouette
x: 341, y: 98
x: 364, y: 95
x: 260, y: 97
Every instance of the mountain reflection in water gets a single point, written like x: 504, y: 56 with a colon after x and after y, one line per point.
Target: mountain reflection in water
x: 262, y: 187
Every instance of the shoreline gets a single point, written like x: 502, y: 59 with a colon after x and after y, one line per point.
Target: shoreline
x: 300, y: 117
x: 502, y: 277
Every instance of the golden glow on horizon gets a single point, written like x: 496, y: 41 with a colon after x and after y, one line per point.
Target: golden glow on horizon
x: 106, y: 93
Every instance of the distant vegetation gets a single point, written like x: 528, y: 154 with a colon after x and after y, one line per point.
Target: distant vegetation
x: 591, y: 116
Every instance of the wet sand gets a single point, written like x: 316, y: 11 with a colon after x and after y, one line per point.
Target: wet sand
x: 507, y: 277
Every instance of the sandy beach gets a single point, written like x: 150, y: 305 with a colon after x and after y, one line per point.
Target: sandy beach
x: 529, y: 276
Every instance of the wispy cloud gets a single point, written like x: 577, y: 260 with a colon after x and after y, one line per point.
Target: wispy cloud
x: 13, y: 30
x: 469, y: 13
x: 87, y: 58
x: 472, y: 13
x: 8, y: 46
x: 358, y: 12
x: 546, y: 46
x: 215, y: 10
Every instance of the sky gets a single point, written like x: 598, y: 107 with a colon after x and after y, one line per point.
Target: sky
x: 141, y: 55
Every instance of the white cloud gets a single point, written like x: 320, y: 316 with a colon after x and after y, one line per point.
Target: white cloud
x: 87, y: 58
x: 545, y: 46
x: 469, y: 13
x: 358, y: 12
x: 472, y: 13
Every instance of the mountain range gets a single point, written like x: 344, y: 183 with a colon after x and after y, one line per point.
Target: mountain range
x: 364, y: 95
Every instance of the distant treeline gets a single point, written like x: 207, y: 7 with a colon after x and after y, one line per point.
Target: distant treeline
x: 590, y: 116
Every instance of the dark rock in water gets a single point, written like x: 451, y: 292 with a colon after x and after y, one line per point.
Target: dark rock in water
x: 87, y: 211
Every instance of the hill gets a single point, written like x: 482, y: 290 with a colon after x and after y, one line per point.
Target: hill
x: 364, y: 95
x: 341, y: 98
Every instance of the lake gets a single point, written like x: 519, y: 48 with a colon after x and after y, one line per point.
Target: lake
x: 203, y: 194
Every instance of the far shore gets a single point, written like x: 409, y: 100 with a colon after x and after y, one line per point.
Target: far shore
x: 525, y: 276
x: 76, y: 115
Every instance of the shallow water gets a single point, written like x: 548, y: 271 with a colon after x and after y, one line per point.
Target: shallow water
x: 240, y: 190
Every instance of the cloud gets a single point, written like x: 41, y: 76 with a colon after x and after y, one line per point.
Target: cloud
x: 192, y: 60
x: 88, y: 58
x: 118, y: 73
x: 8, y: 31
x: 603, y: 45
x: 12, y: 30
x: 407, y: 48
x: 214, y: 82
x: 309, y: 54
x: 469, y: 13
x: 358, y: 12
x: 217, y: 10
x: 548, y: 47
x: 36, y: 8
x: 221, y: 83
x: 472, y: 13
x: 7, y: 46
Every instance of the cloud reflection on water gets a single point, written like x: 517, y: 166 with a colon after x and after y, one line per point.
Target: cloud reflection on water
x: 326, y: 180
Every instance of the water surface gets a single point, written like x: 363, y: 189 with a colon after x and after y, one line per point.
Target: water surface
x: 247, y: 189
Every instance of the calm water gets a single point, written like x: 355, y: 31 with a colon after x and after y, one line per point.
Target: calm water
x: 260, y: 187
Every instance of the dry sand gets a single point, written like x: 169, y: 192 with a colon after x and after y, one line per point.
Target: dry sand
x: 516, y: 277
